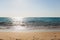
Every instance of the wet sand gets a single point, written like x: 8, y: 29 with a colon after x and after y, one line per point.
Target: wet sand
x: 23, y: 33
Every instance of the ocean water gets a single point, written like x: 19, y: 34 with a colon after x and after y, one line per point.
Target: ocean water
x: 31, y: 24
x: 42, y: 21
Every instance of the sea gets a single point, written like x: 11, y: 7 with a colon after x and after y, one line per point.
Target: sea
x: 38, y: 24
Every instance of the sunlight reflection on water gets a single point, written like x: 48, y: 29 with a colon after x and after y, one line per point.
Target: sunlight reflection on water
x: 19, y: 28
x: 24, y: 29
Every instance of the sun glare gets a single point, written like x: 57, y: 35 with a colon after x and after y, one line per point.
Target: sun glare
x: 17, y: 19
x: 17, y: 22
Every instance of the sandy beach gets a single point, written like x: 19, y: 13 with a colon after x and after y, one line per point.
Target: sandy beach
x: 29, y: 35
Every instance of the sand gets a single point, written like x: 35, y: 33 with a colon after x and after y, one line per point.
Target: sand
x: 30, y: 35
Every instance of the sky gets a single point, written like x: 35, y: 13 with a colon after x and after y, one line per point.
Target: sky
x: 30, y: 8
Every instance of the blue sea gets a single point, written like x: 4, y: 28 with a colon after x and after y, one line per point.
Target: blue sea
x: 38, y: 23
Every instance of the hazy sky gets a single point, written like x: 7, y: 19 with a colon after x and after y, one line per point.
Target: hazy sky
x: 26, y: 8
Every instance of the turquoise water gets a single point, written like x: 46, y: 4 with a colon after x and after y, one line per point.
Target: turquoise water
x: 43, y: 21
x: 39, y: 21
x: 5, y: 19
